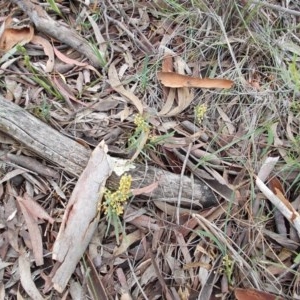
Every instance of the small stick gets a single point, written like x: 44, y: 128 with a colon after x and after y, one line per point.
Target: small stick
x: 44, y: 23
x: 181, y: 183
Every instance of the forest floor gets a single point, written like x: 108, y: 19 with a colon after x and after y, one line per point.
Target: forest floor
x: 135, y: 76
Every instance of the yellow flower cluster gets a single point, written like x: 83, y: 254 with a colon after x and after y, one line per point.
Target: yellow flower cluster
x: 228, y: 265
x: 141, y: 123
x: 114, y: 202
x: 200, y: 111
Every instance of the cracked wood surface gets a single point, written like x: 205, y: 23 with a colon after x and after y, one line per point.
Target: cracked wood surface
x: 72, y: 157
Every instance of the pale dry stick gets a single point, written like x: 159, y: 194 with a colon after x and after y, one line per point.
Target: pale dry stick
x: 181, y: 184
x: 44, y: 23
x: 28, y: 163
x: 277, y: 7
x: 281, y: 204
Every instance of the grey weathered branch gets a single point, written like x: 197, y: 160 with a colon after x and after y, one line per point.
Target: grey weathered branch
x: 45, y: 24
x: 72, y: 157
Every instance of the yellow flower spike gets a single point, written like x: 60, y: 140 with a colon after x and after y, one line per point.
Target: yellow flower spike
x: 141, y: 123
x: 115, y: 201
x: 200, y: 111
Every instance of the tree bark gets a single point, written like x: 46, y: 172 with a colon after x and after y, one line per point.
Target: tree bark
x: 72, y: 157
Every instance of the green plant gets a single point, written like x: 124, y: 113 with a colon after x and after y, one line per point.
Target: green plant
x: 145, y: 73
x: 228, y: 265
x: 40, y: 79
x: 142, y: 140
x: 42, y: 111
x: 54, y: 7
x: 114, y: 202
x: 99, y: 54
x: 200, y: 111
x: 140, y: 136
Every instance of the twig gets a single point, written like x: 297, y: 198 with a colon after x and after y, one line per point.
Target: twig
x: 181, y: 184
x: 281, y: 204
x: 44, y: 23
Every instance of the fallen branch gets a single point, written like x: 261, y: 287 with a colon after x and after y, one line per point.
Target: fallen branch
x: 282, y: 204
x: 72, y: 157
x: 42, y: 139
x: 44, y: 23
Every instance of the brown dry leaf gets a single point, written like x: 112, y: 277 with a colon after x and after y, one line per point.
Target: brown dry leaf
x: 48, y: 49
x: 71, y: 61
x: 277, y: 189
x: 167, y: 63
x: 169, y: 102
x: 11, y: 36
x: 118, y: 87
x: 99, y: 37
x: 26, y: 278
x: 68, y: 60
x: 31, y: 212
x: 35, y: 209
x: 35, y: 236
x: 184, y: 95
x: 252, y: 294
x: 174, y: 80
x: 170, y: 209
x: 146, y: 189
x: 275, y: 184
x: 144, y: 222
x: 169, y: 95
x: 127, y: 241
x: 125, y: 295
x: 80, y: 220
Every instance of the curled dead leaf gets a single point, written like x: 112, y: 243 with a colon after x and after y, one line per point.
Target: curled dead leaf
x: 174, y: 80
x: 48, y: 49
x: 11, y: 37
x: 145, y: 190
x: 118, y: 87
x: 275, y: 185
